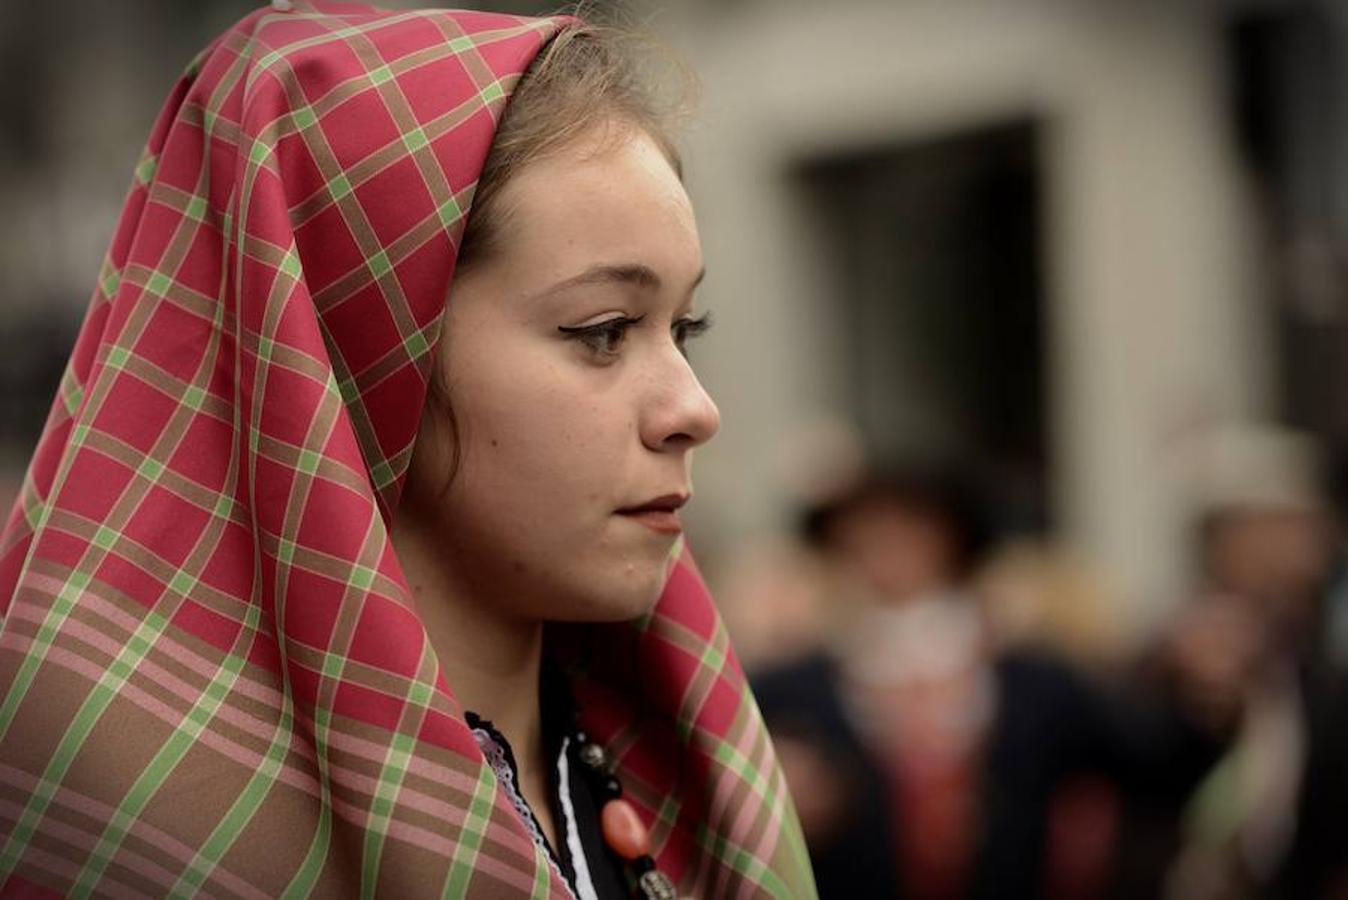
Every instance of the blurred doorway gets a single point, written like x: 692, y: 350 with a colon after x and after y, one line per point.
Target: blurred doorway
x: 933, y: 251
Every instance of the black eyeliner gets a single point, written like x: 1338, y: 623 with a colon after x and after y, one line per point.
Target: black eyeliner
x: 600, y: 327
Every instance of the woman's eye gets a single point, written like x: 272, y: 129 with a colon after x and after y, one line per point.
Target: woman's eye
x: 605, y: 338
x: 686, y: 329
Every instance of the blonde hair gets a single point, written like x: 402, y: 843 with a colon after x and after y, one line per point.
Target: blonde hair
x: 589, y: 76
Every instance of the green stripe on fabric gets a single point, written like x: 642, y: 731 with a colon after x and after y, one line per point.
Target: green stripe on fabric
x: 382, y: 804
x: 271, y: 58
x: 712, y: 660
x: 72, y: 395
x: 146, y: 168
x: 361, y: 577
x: 732, y: 759
x: 350, y: 393
x: 379, y: 264
x: 308, y: 462
x: 155, y: 774
x: 182, y: 583
x: 290, y: 264
x: 339, y: 187
x: 795, y: 838
x: 61, y: 607
x: 33, y: 510
x: 383, y: 474
x: 302, y: 884
x: 668, y: 813
x: 113, y: 679
x: 743, y: 862
x: 713, y: 657
x: 250, y: 800
x: 470, y: 837
x: 416, y: 345
x: 196, y: 209
x: 110, y: 283
x: 333, y: 663
x: 158, y: 284
x: 194, y: 397
x: 393, y: 773
x: 232, y: 825
x: 420, y: 694
x: 542, y: 876
x: 303, y: 118
x: 150, y: 470
x: 449, y: 212
x: 415, y: 139
x: 105, y: 538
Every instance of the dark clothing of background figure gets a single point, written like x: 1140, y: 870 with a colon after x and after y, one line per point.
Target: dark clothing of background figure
x: 1049, y: 725
x: 1317, y: 862
x: 1315, y: 866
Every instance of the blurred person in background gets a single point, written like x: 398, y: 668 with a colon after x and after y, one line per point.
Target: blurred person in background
x: 927, y: 762
x: 1271, y: 817
x: 772, y: 594
x: 1034, y: 594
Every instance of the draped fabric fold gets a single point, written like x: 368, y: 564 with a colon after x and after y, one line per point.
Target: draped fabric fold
x: 212, y: 675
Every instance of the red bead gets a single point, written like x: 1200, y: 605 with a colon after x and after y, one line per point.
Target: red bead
x: 624, y: 831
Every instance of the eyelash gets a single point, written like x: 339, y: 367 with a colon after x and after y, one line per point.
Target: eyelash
x: 605, y: 338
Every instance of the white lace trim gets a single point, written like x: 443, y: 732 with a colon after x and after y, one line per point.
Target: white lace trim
x: 500, y: 764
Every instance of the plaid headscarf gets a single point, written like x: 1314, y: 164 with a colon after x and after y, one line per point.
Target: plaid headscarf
x: 212, y: 675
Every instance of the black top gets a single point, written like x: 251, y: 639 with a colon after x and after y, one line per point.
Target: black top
x: 591, y: 870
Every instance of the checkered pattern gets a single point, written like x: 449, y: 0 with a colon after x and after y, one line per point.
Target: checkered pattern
x: 211, y: 675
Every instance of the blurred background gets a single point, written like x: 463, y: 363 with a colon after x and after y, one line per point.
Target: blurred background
x: 1032, y: 353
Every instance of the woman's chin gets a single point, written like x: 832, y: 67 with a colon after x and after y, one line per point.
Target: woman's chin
x: 615, y: 603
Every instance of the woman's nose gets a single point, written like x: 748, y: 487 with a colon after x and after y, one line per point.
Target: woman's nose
x: 679, y: 414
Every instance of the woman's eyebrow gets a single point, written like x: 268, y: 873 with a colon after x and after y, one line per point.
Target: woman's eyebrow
x: 636, y: 274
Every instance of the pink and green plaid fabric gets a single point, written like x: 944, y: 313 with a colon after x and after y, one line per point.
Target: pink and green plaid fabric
x: 212, y: 677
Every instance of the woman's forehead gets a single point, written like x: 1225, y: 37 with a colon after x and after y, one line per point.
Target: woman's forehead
x: 602, y: 203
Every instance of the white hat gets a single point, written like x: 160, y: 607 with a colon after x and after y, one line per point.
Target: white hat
x: 1255, y: 467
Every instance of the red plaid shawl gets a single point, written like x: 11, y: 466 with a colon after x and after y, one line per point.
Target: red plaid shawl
x: 211, y: 674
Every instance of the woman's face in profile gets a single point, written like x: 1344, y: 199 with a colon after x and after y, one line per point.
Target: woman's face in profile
x: 576, y: 409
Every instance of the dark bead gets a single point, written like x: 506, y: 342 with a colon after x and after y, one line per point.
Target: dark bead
x: 654, y: 885
x: 593, y: 756
x: 610, y: 789
x: 642, y: 864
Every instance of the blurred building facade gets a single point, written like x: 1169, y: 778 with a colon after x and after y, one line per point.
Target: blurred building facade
x: 1173, y: 160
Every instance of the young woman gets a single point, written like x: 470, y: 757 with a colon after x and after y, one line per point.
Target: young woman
x: 330, y: 577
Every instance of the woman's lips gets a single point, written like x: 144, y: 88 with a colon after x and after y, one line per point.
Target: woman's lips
x: 664, y: 521
x: 660, y: 514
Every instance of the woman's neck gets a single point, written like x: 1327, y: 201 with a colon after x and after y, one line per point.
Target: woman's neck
x: 490, y: 661
x: 492, y: 666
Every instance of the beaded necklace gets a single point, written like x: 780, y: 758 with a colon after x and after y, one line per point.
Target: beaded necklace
x: 624, y: 832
